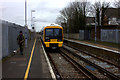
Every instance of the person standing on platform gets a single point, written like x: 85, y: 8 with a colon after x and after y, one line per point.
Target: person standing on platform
x: 21, y: 41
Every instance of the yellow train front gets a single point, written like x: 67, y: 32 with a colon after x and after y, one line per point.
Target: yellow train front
x: 53, y: 36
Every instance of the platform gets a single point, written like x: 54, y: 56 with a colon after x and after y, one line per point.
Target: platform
x: 16, y: 66
x: 101, y: 46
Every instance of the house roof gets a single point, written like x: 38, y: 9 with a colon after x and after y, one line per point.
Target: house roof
x: 90, y: 20
x: 113, y: 12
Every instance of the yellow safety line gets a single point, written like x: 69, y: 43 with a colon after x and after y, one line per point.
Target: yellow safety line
x: 28, y: 67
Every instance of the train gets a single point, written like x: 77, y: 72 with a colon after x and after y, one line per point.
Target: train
x: 52, y: 36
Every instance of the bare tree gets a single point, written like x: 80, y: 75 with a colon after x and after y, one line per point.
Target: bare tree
x: 105, y: 6
x: 98, y: 10
x: 117, y: 3
x: 75, y: 15
x: 66, y: 13
x: 60, y: 19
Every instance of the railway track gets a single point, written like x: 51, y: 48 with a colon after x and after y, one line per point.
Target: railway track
x: 106, y: 68
x: 64, y: 68
x: 92, y: 55
x: 104, y: 53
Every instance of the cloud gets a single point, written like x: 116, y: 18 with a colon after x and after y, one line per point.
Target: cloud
x: 46, y: 11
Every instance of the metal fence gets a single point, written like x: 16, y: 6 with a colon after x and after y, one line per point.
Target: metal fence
x: 10, y: 31
x: 84, y: 35
x: 110, y: 35
x: 81, y: 34
x: 107, y: 35
x: 72, y: 35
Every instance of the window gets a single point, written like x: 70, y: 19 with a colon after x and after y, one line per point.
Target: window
x: 57, y: 32
x: 48, y: 32
x: 53, y: 32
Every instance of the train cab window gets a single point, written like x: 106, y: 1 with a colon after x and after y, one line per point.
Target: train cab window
x: 57, y: 32
x: 49, y: 32
x: 53, y: 32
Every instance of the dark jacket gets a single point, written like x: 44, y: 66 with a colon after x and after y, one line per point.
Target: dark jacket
x: 21, y: 40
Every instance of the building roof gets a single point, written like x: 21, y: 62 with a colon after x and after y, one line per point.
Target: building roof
x: 90, y: 20
x: 113, y: 13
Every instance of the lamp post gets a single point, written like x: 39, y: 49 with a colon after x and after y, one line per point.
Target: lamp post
x: 26, y: 23
x: 32, y: 26
x: 32, y: 18
x: 25, y: 13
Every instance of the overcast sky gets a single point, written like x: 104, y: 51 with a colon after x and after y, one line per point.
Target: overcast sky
x: 45, y: 13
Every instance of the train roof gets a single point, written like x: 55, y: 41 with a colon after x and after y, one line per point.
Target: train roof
x: 53, y: 26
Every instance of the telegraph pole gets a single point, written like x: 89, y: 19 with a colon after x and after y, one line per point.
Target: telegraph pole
x: 26, y: 24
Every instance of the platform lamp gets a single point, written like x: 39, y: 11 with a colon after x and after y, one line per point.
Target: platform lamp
x: 32, y: 19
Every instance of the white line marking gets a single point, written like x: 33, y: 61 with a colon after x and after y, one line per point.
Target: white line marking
x: 49, y: 65
x: 95, y: 46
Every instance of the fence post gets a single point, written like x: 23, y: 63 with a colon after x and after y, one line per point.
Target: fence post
x: 116, y: 35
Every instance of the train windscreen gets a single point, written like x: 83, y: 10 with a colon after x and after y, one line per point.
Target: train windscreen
x: 53, y: 32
